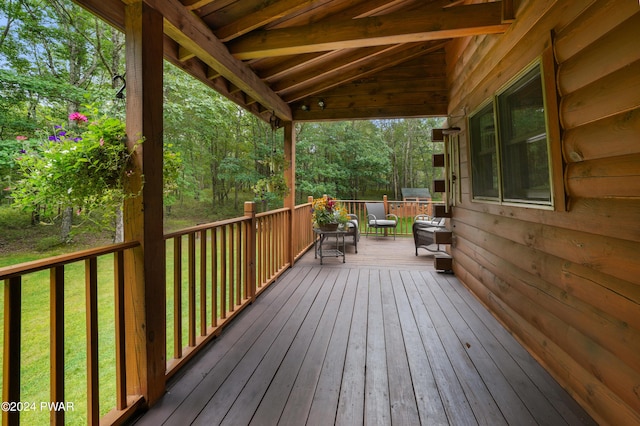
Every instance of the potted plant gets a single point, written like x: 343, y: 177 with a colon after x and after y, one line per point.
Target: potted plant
x: 328, y: 214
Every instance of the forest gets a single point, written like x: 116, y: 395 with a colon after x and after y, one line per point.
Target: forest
x: 59, y: 65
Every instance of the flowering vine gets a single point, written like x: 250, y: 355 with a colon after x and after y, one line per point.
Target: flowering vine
x: 81, y: 164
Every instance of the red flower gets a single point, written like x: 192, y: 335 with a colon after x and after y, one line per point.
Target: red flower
x: 76, y: 116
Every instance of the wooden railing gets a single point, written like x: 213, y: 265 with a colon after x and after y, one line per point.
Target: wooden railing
x: 405, y: 210
x: 207, y: 284
x: 59, y: 402
x: 272, y: 240
x: 227, y: 266
x: 213, y: 272
x: 303, y: 229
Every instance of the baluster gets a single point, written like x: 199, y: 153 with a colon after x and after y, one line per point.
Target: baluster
x: 11, y: 359
x: 203, y: 282
x: 192, y: 289
x: 91, y: 294
x: 57, y: 341
x: 121, y: 371
x: 177, y: 297
x: 214, y: 277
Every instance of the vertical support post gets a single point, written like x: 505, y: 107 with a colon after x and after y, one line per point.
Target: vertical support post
x: 145, y: 292
x: 250, y: 211
x: 290, y: 176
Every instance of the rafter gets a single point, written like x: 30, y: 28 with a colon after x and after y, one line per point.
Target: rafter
x: 335, y: 79
x: 341, y: 61
x: 272, y: 69
x: 378, y: 7
x: 260, y: 17
x: 400, y: 27
x: 185, y: 54
x: 195, y: 4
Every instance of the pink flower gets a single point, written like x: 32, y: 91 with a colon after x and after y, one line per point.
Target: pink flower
x: 101, y: 142
x: 76, y: 116
x: 21, y: 138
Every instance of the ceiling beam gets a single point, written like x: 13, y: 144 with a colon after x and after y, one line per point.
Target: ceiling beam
x: 373, y: 112
x: 192, y: 34
x: 423, y: 24
x: 508, y: 11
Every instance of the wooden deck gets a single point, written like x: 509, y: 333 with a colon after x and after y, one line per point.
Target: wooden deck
x: 380, y: 339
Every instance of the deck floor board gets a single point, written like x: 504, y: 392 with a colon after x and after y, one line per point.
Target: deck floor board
x: 380, y: 339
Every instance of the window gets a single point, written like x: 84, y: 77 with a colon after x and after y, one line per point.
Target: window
x: 512, y: 164
x: 484, y: 158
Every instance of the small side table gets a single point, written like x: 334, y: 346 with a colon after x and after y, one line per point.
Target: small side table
x: 337, y: 251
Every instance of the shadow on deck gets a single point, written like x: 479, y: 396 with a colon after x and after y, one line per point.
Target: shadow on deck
x: 380, y: 339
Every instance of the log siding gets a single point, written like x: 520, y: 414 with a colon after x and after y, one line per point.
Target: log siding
x: 565, y: 283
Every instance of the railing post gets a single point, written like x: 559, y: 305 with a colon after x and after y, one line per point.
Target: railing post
x: 250, y: 265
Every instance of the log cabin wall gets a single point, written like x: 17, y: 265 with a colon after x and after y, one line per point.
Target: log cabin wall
x: 564, y: 281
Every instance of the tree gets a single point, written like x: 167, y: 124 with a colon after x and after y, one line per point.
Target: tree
x: 55, y: 51
x: 412, y: 149
x: 340, y: 159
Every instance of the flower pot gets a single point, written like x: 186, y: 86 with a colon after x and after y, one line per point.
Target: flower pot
x: 329, y: 227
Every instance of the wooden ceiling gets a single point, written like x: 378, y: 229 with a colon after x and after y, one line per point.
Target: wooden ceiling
x: 320, y: 59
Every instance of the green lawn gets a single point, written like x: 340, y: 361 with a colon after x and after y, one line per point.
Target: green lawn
x: 35, y: 346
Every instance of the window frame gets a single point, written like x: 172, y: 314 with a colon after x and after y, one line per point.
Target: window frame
x: 546, y: 71
x: 489, y: 104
